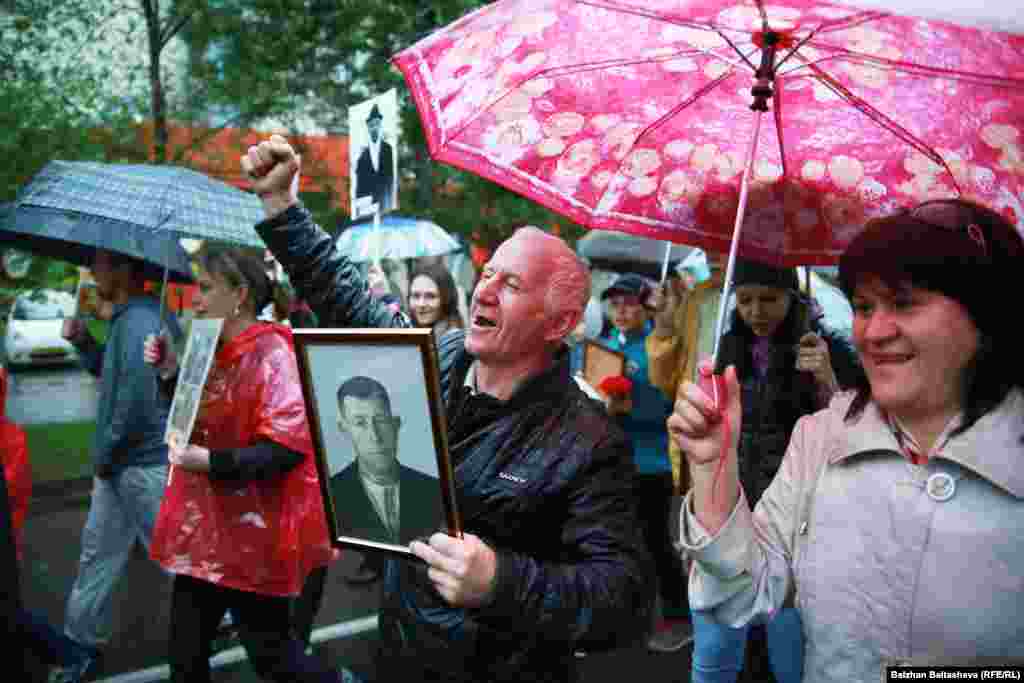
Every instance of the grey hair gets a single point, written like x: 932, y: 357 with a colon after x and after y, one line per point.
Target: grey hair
x: 569, y: 278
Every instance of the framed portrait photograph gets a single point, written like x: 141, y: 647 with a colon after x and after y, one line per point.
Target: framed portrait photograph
x: 195, y: 365
x: 373, y: 155
x: 373, y: 399
x: 600, y: 362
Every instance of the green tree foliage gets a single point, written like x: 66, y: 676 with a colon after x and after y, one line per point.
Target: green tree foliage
x: 275, y: 58
x: 50, y: 112
x: 68, y: 91
x: 50, y: 99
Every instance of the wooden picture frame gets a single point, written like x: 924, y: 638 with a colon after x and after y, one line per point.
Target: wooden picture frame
x: 362, y: 438
x: 600, y: 362
x: 195, y: 365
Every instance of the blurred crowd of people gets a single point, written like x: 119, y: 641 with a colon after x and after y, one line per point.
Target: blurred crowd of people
x: 825, y: 503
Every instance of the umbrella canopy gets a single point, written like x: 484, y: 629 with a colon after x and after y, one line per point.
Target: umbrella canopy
x: 636, y: 115
x: 70, y: 209
x: 625, y: 253
x: 397, y: 237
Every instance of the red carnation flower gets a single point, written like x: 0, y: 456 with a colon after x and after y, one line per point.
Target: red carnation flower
x: 616, y: 385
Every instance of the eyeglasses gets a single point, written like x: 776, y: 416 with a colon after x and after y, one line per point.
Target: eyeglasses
x: 951, y: 215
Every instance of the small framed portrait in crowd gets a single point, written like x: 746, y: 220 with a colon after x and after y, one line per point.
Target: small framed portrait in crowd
x: 195, y: 365
x: 373, y: 400
x: 600, y: 362
x: 373, y: 134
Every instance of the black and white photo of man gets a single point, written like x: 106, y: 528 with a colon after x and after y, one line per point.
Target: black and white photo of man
x: 379, y: 498
x: 374, y: 169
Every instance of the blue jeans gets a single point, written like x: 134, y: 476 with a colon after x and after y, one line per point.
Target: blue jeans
x: 122, y: 511
x: 718, y: 650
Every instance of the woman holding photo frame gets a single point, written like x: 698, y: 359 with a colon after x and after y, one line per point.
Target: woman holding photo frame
x: 241, y: 525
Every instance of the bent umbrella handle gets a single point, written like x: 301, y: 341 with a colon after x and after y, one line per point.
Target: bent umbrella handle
x: 712, y: 383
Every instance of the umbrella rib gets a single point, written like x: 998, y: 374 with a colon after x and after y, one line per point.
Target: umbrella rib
x: 609, y: 64
x: 885, y: 122
x: 708, y: 87
x: 852, y: 21
x: 912, y: 68
x: 777, y: 113
x: 803, y: 41
x: 676, y: 21
x: 556, y: 71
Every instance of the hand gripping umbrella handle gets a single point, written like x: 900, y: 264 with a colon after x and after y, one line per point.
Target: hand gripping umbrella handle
x: 713, y: 384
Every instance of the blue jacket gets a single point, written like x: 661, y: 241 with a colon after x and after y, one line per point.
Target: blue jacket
x: 132, y: 414
x: 645, y: 424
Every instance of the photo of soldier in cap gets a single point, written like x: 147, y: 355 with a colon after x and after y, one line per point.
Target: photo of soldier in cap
x: 374, y: 170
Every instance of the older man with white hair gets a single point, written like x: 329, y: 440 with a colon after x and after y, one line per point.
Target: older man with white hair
x: 551, y: 562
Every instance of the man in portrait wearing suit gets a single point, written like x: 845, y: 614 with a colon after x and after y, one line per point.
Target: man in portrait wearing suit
x: 375, y: 168
x: 376, y: 497
x: 197, y: 363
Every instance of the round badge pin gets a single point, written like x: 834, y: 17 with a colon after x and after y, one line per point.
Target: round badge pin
x: 940, y: 486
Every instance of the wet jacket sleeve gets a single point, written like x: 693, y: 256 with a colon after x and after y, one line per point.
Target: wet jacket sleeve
x: 329, y: 282
x: 745, y: 571
x: 667, y: 356
x: 18, y: 475
x: 599, y: 594
x: 133, y: 390
x: 263, y: 460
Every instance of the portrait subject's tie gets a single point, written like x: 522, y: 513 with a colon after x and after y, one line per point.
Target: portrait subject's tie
x: 391, y: 510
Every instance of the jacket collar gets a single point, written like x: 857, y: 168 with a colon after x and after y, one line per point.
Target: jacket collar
x: 135, y: 300
x: 991, y: 448
x: 551, y: 383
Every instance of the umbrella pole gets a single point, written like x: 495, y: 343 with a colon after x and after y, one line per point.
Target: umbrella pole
x: 163, y: 298
x: 664, y: 263
x: 376, y: 233
x: 734, y: 247
x: 163, y: 305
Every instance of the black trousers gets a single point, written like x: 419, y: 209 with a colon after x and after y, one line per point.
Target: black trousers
x: 307, y: 604
x: 264, y: 627
x: 654, y: 492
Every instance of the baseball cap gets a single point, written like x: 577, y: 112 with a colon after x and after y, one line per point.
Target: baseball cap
x: 629, y: 284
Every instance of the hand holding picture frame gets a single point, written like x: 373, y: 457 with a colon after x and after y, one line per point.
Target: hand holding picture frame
x: 195, y: 365
x: 600, y: 362
x: 373, y: 400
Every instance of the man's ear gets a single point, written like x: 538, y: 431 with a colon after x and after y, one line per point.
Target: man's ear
x: 561, y: 324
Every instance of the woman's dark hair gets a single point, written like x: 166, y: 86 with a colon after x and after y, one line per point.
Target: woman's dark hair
x: 964, y: 251
x: 796, y: 324
x: 447, y: 292
x: 239, y: 267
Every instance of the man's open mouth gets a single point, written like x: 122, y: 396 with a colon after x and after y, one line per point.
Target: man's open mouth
x: 481, y: 321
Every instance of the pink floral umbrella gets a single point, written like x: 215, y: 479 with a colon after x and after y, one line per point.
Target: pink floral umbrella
x: 635, y: 115
x: 647, y: 116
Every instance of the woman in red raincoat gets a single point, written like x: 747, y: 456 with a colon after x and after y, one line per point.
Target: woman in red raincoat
x: 242, y: 522
x: 28, y: 631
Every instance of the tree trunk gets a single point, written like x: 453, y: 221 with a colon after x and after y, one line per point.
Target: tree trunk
x: 158, y: 103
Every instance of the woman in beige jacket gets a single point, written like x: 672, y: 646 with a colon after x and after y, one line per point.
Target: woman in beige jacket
x: 896, y: 522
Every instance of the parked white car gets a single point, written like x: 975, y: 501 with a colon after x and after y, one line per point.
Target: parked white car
x: 34, y: 325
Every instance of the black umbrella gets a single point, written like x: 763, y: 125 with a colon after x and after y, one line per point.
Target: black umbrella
x: 622, y: 253
x: 70, y: 209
